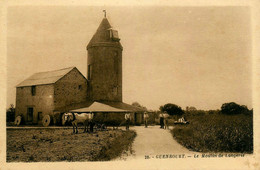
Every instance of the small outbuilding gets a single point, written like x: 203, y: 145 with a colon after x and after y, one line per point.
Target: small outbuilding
x: 42, y: 93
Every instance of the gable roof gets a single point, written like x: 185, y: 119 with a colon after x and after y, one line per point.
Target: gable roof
x: 48, y: 77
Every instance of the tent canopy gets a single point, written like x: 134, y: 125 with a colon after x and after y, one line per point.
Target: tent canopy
x: 98, y: 107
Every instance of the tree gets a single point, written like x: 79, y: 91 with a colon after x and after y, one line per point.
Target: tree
x: 234, y: 108
x: 172, y: 109
x: 10, y: 113
x: 191, y: 108
x: 136, y: 104
x: 161, y: 109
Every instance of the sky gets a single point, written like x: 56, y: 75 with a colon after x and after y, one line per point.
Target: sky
x: 189, y: 56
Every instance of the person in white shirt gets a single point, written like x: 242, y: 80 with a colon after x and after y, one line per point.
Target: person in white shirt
x: 127, y: 120
x: 146, y: 116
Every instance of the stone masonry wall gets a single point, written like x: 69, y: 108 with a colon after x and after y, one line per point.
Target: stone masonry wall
x: 106, y: 73
x: 41, y: 102
x: 72, y: 88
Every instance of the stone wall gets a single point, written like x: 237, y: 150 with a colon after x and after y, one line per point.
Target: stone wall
x: 72, y: 88
x: 41, y: 102
x: 106, y: 73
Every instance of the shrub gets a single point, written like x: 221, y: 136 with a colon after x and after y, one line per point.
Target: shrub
x: 233, y: 108
x: 116, y: 147
x: 217, y: 133
x: 172, y: 109
x: 10, y: 114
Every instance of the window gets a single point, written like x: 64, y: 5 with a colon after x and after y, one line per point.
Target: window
x: 116, y: 66
x: 114, y: 35
x: 89, y: 72
x: 116, y: 62
x: 33, y: 90
x: 80, y: 87
x: 115, y: 90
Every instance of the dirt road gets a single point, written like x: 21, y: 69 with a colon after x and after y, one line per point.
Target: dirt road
x: 153, y: 141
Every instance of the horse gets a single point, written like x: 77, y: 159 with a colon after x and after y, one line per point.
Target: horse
x: 75, y: 118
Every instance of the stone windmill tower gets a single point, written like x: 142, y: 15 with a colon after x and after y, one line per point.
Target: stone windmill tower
x: 105, y: 64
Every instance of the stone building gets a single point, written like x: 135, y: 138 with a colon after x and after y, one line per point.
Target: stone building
x: 104, y: 71
x: 67, y: 90
x: 105, y: 64
x: 43, y: 93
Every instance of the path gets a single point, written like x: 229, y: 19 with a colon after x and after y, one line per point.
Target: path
x: 154, y: 141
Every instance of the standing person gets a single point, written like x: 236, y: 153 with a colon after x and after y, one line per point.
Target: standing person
x: 127, y: 121
x: 161, y: 120
x: 165, y: 120
x: 146, y: 116
x: 91, y: 123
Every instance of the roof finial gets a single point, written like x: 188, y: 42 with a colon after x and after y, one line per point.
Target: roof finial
x: 105, y: 13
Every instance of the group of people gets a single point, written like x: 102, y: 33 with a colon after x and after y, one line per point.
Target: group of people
x: 164, y: 120
x: 87, y: 120
x: 128, y: 118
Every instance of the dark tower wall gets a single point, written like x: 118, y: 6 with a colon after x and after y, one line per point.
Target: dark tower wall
x: 105, y: 64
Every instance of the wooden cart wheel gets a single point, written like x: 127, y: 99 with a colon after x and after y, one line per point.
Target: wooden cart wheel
x: 46, y: 120
x: 17, y: 120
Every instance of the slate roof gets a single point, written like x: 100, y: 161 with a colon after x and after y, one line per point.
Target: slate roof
x: 102, y: 35
x: 48, y: 77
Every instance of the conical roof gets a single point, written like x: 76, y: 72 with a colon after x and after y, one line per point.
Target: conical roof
x: 103, y: 36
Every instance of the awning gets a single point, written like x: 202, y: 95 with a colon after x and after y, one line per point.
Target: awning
x: 98, y: 107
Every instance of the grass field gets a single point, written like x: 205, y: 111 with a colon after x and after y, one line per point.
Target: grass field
x: 216, y: 133
x: 41, y: 145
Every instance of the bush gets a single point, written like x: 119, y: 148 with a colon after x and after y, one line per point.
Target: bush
x: 10, y: 114
x: 233, y: 108
x: 172, y: 109
x: 217, y: 133
x: 116, y: 147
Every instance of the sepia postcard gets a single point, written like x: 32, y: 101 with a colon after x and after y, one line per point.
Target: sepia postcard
x: 130, y: 84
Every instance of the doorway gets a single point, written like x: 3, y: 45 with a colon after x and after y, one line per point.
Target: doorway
x: 29, y: 114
